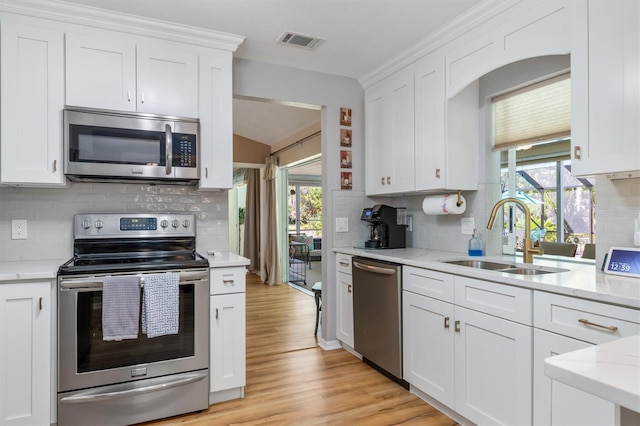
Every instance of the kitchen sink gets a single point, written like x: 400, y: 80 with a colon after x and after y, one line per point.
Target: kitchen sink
x: 528, y: 271
x: 480, y: 264
x: 508, y: 268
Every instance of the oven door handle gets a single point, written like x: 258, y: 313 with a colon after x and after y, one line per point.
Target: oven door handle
x: 96, y: 284
x: 93, y: 396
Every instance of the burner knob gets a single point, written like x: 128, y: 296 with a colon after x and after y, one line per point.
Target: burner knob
x: 175, y: 223
x: 99, y: 224
x: 164, y: 223
x: 86, y: 224
x: 186, y: 223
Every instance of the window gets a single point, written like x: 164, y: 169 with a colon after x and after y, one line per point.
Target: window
x: 304, y: 208
x: 536, y: 167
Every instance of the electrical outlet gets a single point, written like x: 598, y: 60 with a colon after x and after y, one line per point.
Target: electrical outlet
x: 19, y: 229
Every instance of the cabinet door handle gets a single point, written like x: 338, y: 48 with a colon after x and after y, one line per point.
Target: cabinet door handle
x: 446, y: 322
x: 206, y: 172
x: 55, y: 166
x: 388, y: 180
x: 40, y: 304
x: 141, y: 97
x: 128, y: 95
x: 577, y: 152
x: 382, y: 180
x: 457, y: 326
x: 349, y: 288
x: 216, y: 313
x: 611, y: 328
x: 437, y: 173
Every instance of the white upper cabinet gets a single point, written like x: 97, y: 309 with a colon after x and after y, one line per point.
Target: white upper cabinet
x: 446, y: 131
x: 605, y: 87
x: 101, y: 72
x: 216, y: 121
x: 32, y: 98
x: 389, y: 131
x: 167, y: 79
x: 115, y: 72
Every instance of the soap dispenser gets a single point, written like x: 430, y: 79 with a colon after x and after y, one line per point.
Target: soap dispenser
x: 476, y: 245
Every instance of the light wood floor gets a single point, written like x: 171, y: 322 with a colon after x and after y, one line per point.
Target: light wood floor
x: 291, y: 381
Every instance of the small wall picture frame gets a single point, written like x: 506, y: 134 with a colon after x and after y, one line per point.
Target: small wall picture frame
x: 345, y: 116
x: 345, y: 137
x: 345, y: 180
x: 345, y: 158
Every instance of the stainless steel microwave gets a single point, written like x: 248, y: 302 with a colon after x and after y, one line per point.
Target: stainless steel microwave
x: 102, y: 145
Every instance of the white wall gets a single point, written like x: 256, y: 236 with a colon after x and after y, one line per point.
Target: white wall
x: 331, y: 92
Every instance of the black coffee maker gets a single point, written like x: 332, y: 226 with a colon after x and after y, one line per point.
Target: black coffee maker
x: 388, y: 226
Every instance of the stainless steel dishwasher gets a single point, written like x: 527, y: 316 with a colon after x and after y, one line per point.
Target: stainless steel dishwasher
x: 377, y: 313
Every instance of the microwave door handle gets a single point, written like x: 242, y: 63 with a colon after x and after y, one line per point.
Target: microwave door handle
x: 168, y: 141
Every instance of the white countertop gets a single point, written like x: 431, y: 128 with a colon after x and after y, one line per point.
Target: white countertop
x: 30, y: 270
x: 581, y: 279
x: 610, y: 371
x: 226, y: 259
x: 48, y: 269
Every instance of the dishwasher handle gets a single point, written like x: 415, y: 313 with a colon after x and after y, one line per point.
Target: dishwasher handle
x: 374, y: 269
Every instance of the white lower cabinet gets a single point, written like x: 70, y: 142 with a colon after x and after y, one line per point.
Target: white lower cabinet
x: 556, y: 403
x: 344, y: 300
x: 565, y: 324
x: 428, y: 352
x: 25, y: 353
x: 227, y: 350
x: 477, y: 364
x: 492, y: 369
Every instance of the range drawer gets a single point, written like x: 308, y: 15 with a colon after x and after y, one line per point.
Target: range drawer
x: 228, y: 280
x: 428, y: 283
x: 343, y: 263
x: 585, y: 320
x: 504, y: 301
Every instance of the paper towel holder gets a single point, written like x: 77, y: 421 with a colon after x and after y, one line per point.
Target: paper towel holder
x: 459, y: 203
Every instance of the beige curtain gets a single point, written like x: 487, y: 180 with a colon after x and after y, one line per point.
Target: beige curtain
x: 252, y: 220
x: 271, y: 273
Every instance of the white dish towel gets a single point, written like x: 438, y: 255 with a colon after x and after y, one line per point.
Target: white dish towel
x: 161, y: 304
x: 120, y: 307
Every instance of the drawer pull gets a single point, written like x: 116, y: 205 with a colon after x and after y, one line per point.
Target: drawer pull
x: 446, y: 322
x: 611, y: 328
x: 345, y: 264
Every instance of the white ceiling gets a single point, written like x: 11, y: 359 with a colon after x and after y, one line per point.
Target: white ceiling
x: 360, y: 36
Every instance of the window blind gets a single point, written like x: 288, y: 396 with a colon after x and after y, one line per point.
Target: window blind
x: 539, y: 112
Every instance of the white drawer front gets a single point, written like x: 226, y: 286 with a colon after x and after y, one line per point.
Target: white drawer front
x: 343, y: 263
x: 428, y: 283
x: 585, y: 320
x: 503, y: 301
x: 227, y: 280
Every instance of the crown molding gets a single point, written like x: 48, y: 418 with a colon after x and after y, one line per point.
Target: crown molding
x: 473, y: 18
x: 98, y: 18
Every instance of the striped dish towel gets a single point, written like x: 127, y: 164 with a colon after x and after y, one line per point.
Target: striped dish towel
x: 120, y: 307
x: 161, y: 304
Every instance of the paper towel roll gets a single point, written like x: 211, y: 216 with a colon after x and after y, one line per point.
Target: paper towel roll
x: 443, y: 204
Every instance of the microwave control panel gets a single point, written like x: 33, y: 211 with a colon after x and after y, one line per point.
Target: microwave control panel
x: 184, y: 150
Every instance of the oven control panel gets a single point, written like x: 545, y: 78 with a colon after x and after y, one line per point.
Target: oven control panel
x: 134, y: 225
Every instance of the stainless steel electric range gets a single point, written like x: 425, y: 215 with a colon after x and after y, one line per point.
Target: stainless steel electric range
x: 118, y: 382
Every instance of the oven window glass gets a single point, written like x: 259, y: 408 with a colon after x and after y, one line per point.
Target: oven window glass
x: 116, y: 146
x: 96, y: 354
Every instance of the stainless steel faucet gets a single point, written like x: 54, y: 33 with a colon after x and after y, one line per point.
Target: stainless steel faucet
x: 527, y: 244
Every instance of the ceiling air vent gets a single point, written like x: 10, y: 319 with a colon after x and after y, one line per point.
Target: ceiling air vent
x: 300, y: 40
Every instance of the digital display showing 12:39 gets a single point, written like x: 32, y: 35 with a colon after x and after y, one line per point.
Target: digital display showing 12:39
x: 625, y: 261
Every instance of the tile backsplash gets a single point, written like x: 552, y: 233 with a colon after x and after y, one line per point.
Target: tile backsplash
x: 49, y: 214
